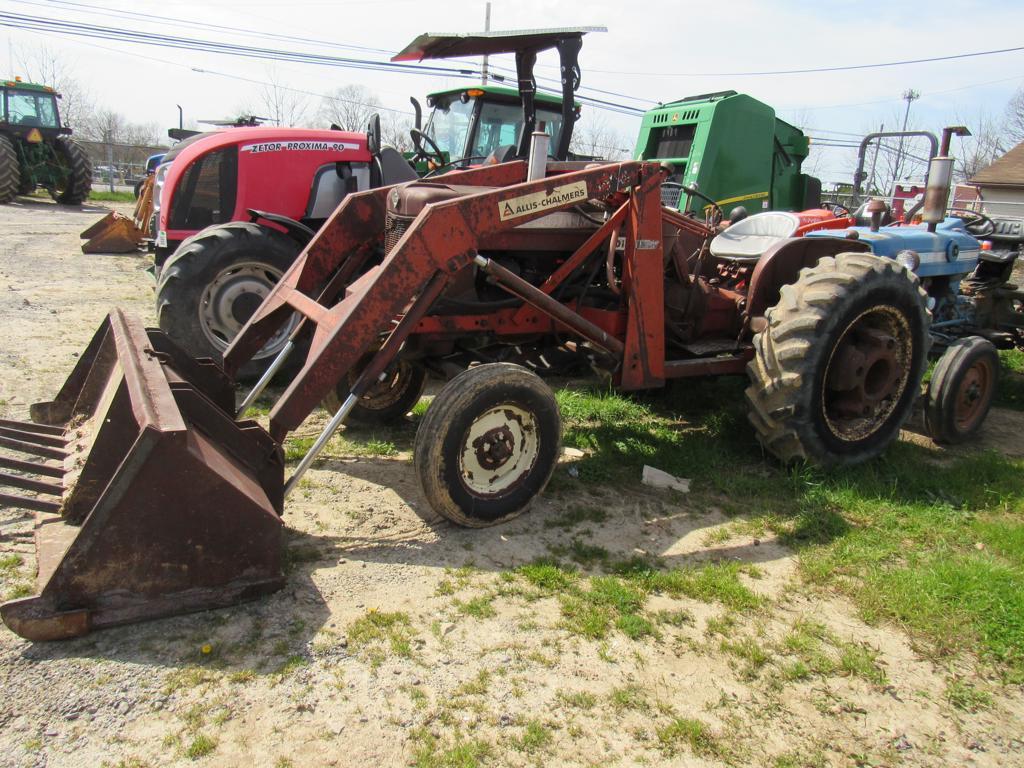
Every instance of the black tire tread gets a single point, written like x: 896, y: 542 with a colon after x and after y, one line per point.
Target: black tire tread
x: 10, y: 170
x: 428, y: 460
x: 781, y: 361
x: 186, y: 272
x: 80, y: 166
x: 937, y: 416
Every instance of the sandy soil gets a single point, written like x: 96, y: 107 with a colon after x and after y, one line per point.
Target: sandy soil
x: 279, y: 683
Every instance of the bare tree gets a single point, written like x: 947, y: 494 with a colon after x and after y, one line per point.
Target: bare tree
x: 593, y: 137
x: 987, y: 142
x: 394, y: 129
x: 277, y: 103
x: 349, y: 107
x: 1013, y: 118
x: 47, y: 66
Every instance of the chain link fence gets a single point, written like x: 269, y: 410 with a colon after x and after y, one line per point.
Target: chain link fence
x: 117, y: 166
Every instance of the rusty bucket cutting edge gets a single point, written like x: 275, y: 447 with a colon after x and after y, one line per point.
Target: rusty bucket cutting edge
x: 174, y: 507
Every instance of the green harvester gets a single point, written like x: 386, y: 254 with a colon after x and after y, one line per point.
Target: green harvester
x: 36, y: 150
x: 734, y: 149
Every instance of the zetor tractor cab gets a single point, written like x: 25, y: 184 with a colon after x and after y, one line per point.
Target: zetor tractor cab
x: 36, y: 150
x: 233, y: 209
x: 733, y: 149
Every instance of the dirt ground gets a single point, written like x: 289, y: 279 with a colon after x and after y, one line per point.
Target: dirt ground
x: 287, y: 680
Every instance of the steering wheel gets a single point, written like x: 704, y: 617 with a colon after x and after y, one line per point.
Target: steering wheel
x: 691, y: 189
x: 419, y: 138
x: 977, y: 224
x: 839, y: 210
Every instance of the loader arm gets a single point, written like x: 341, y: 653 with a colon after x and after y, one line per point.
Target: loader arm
x: 442, y: 240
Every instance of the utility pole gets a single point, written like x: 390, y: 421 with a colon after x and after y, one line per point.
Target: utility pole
x: 909, y: 95
x: 872, y: 187
x: 487, y: 28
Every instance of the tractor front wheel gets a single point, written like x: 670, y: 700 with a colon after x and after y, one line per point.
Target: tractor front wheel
x: 77, y: 182
x: 214, y: 283
x: 10, y: 170
x: 388, y: 400
x: 961, y: 390
x: 839, y: 365
x: 488, y: 444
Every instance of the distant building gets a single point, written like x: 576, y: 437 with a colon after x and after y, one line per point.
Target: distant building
x: 1001, y: 189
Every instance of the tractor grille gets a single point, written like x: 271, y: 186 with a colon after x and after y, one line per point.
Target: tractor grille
x: 394, y: 228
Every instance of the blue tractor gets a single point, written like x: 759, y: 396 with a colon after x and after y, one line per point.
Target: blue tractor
x: 974, y: 307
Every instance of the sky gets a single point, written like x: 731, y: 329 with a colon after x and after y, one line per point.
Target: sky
x: 658, y: 51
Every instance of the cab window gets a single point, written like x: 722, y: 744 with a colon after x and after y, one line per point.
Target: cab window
x: 34, y: 109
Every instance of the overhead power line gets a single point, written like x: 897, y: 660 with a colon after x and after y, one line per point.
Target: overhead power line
x: 472, y: 67
x: 813, y: 70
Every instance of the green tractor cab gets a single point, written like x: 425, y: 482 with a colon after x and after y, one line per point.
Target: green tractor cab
x: 470, y: 124
x: 36, y: 150
x: 733, y: 149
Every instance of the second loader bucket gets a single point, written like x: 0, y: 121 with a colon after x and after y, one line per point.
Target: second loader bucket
x: 164, y: 504
x: 114, y: 233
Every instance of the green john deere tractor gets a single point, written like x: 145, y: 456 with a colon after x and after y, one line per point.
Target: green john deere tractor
x: 36, y: 150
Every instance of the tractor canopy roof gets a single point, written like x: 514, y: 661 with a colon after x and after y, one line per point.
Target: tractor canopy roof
x: 512, y: 94
x: 16, y: 83
x: 447, y: 45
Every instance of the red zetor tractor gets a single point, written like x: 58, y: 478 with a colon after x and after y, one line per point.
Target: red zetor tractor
x: 235, y: 209
x: 173, y: 501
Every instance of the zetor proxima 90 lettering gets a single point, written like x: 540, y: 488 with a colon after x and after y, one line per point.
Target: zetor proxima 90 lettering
x: 36, y: 150
x: 235, y: 208
x: 176, y: 506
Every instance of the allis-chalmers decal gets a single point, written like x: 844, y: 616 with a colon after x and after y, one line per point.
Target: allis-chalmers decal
x: 539, y: 201
x: 299, y: 146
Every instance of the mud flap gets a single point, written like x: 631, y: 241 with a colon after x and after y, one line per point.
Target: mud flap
x: 165, y: 504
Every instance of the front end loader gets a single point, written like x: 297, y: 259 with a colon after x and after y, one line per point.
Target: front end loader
x: 156, y: 497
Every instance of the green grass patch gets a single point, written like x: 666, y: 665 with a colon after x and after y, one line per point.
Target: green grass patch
x: 630, y: 697
x: 200, y: 746
x: 690, y: 732
x: 379, y: 632
x: 548, y: 576
x: 480, y: 607
x: 967, y: 697
x: 1010, y: 388
x: 535, y: 736
x: 106, y: 196
x: 429, y: 752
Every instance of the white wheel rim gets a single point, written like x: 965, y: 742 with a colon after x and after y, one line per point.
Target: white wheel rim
x: 217, y: 316
x: 499, y: 450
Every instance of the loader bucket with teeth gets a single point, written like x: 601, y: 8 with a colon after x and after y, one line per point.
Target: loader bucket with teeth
x: 150, y: 499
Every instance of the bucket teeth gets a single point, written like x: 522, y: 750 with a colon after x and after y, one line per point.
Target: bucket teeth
x: 36, y: 476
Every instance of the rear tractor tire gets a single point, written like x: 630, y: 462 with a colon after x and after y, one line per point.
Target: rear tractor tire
x: 215, y: 281
x: 838, y: 368
x: 961, y: 390
x: 78, y: 184
x: 488, y: 444
x: 10, y: 171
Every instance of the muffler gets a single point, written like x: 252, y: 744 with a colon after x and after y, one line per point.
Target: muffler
x: 150, y: 499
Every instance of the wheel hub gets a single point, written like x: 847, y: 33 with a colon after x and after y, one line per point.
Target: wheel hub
x: 232, y: 297
x: 494, y: 447
x: 972, y: 395
x: 499, y: 450
x: 867, y: 373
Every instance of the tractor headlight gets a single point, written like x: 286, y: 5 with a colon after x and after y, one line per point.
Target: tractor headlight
x: 909, y: 259
x: 158, y: 186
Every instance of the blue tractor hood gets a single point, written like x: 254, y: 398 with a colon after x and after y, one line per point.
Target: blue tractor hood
x: 949, y: 251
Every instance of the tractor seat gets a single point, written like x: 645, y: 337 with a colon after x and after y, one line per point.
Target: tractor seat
x: 392, y: 168
x: 748, y: 238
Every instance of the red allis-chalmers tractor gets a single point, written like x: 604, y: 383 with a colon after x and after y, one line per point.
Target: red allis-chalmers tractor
x: 174, y: 504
